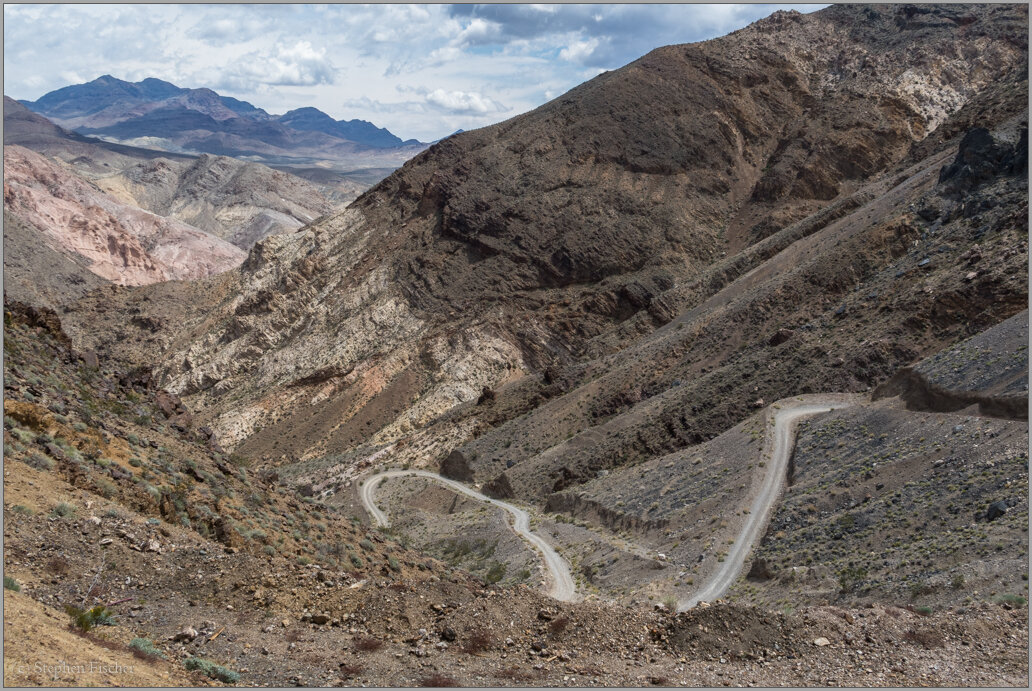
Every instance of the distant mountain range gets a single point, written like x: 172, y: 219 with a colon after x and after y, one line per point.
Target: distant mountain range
x: 157, y: 114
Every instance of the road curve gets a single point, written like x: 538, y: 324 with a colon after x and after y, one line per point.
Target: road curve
x: 562, y: 585
x: 785, y: 421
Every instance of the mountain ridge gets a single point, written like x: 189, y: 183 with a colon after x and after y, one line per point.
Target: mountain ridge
x: 99, y: 106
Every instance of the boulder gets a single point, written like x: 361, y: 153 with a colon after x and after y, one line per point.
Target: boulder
x: 90, y: 359
x: 995, y: 510
x: 186, y: 635
x: 781, y: 336
x: 499, y: 488
x: 760, y: 571
x: 456, y: 467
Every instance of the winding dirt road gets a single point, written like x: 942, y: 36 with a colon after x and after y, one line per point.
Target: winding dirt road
x: 785, y: 421
x: 562, y: 585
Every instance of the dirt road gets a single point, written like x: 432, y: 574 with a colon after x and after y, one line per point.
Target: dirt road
x: 562, y: 585
x: 785, y: 420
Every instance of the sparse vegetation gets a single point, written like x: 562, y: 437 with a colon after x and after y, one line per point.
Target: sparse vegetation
x: 212, y: 670
x: 144, y: 648
x: 85, y: 620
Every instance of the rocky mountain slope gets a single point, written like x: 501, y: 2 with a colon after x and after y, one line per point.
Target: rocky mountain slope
x: 211, y: 571
x: 122, y: 243
x: 574, y: 229
x: 592, y: 309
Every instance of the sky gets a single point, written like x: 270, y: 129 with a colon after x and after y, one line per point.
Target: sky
x: 422, y: 71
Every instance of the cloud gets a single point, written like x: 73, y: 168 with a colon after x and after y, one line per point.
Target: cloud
x: 298, y: 65
x: 464, y: 102
x: 579, y: 51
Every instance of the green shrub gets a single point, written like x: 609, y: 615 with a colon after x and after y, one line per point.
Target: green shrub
x: 1015, y: 600
x: 366, y: 545
x: 135, y: 462
x: 11, y: 584
x: 212, y: 670
x: 496, y: 572
x: 38, y: 461
x: 23, y: 435
x: 850, y: 578
x: 146, y: 647
x: 87, y: 619
x: 269, y: 549
x: 958, y: 581
x: 303, y: 560
x: 23, y: 510
x: 63, y: 510
x: 355, y: 560
x: 393, y: 563
x: 106, y: 488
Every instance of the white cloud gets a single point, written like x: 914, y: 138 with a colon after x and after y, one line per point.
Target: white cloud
x: 464, y: 102
x: 298, y: 65
x: 579, y: 51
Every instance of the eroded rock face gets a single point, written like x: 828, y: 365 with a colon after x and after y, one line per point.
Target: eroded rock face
x: 123, y: 244
x: 568, y: 232
x: 235, y: 200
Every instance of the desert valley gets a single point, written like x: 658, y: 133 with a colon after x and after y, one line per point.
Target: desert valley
x: 710, y: 371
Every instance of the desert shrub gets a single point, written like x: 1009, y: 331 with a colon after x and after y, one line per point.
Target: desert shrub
x: 478, y: 641
x: 38, y: 461
x: 143, y: 648
x: 393, y: 564
x: 496, y: 572
x: 303, y: 560
x: 23, y: 435
x: 63, y: 510
x: 438, y: 681
x: 106, y: 488
x: 212, y: 670
x: 367, y: 545
x: 367, y: 644
x: 11, y: 584
x: 670, y: 602
x: 269, y: 549
x: 850, y: 578
x: 958, y: 581
x: 1014, y: 600
x: 23, y: 510
x: 85, y: 620
x: 355, y: 560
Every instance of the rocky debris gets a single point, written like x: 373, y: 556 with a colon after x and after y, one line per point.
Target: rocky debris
x: 186, y: 635
x: 821, y: 642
